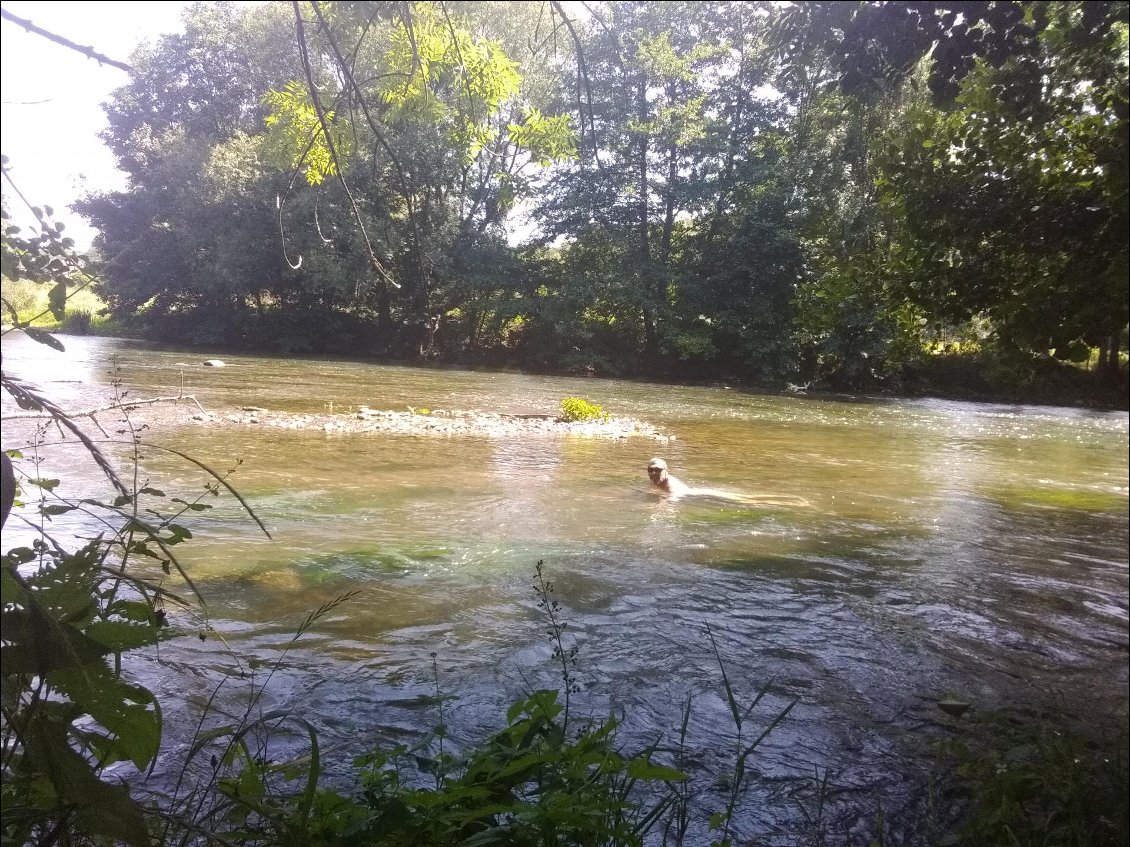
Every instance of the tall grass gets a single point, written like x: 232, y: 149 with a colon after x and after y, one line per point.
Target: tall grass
x: 29, y: 299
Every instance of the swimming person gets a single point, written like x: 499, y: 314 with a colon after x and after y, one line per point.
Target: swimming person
x: 660, y: 478
x: 675, y: 489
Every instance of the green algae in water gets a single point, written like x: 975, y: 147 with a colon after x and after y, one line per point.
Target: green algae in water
x: 383, y: 560
x: 722, y: 516
x: 1047, y: 497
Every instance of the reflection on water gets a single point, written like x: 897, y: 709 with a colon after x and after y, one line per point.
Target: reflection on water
x: 949, y: 547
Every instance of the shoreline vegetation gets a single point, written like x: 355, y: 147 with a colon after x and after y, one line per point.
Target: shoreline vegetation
x: 977, y: 377
x: 874, y: 198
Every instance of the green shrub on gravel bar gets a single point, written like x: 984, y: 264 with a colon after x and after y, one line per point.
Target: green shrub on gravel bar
x: 574, y: 409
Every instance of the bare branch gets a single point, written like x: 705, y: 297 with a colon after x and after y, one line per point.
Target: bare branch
x: 405, y: 189
x: 89, y: 52
x: 125, y: 404
x: 583, y: 74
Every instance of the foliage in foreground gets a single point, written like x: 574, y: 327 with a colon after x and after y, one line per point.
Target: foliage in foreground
x: 70, y: 616
x: 1030, y: 780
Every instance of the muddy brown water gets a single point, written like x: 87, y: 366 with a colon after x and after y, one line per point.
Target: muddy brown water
x: 972, y: 550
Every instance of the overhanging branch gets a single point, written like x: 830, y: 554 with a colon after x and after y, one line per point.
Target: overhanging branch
x: 89, y: 52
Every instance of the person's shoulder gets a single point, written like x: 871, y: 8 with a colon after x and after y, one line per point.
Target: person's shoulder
x: 676, y: 485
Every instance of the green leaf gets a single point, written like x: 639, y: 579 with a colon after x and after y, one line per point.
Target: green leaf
x: 56, y: 509
x: 121, y: 708
x: 131, y: 610
x: 19, y: 556
x: 120, y: 636
x: 44, y: 338
x: 57, y: 300
x: 40, y: 645
x: 179, y: 533
x: 100, y: 808
x: 10, y: 589
x: 642, y: 768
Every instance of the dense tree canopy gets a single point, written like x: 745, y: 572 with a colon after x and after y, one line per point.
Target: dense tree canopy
x: 776, y: 193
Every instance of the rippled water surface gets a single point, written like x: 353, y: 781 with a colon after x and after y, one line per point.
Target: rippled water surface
x: 948, y: 548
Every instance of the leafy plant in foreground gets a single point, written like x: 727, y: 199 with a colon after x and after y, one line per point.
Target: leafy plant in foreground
x: 1030, y: 780
x: 76, y: 598
x: 69, y: 616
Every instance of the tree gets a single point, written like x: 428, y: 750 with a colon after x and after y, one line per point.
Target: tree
x: 195, y: 231
x: 999, y: 176
x: 441, y: 133
x: 1014, y: 201
x: 649, y: 72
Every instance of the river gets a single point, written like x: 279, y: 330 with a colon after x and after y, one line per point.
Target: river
x: 948, y: 549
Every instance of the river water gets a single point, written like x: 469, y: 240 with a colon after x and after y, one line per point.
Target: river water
x: 948, y: 549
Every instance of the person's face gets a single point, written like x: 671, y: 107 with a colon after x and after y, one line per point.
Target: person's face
x: 656, y: 474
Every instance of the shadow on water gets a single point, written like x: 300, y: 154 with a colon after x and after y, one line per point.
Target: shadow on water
x: 948, y: 548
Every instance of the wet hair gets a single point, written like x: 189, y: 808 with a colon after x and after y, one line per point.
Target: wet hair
x: 657, y: 463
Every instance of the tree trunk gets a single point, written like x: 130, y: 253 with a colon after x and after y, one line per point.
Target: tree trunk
x: 1101, y: 364
x: 419, y: 317
x: 651, y: 336
x: 384, y: 315
x: 659, y: 283
x: 732, y: 146
x: 1108, y: 359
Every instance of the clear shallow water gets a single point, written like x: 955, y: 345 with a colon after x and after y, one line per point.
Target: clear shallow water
x: 949, y: 547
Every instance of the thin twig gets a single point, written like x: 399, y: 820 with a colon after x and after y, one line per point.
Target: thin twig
x: 28, y: 397
x: 90, y: 413
x: 582, y: 69
x: 300, y: 26
x: 405, y: 189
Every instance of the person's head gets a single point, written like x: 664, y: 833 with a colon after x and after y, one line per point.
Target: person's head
x: 657, y: 471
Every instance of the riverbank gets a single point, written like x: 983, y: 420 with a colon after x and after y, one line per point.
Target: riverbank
x: 978, y: 377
